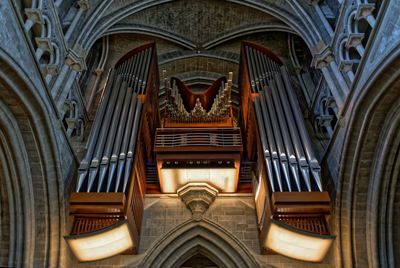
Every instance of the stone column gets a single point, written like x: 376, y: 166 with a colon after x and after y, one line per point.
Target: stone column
x: 83, y: 6
x: 74, y: 62
x: 323, y: 61
x: 99, y: 74
x: 327, y: 26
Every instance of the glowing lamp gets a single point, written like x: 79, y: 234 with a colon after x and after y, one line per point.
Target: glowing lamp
x: 101, y: 244
x: 296, y: 243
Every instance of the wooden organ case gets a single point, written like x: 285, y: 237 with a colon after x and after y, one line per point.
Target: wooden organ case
x: 107, y: 204
x: 198, y: 141
x: 292, y: 208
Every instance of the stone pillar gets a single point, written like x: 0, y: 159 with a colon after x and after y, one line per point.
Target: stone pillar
x: 99, y: 74
x: 323, y: 61
x: 83, y: 6
x: 327, y: 26
x: 74, y: 63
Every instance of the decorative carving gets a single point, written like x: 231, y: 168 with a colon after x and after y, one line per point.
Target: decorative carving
x: 197, y: 197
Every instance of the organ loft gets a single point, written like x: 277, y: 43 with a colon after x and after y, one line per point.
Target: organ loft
x: 199, y: 134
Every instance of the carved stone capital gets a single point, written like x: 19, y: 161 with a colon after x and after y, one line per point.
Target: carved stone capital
x: 75, y: 59
x: 34, y: 14
x: 322, y: 59
x: 197, y: 196
x: 354, y: 39
x: 346, y: 65
x: 364, y: 10
x: 83, y: 4
x: 44, y: 43
x: 99, y: 72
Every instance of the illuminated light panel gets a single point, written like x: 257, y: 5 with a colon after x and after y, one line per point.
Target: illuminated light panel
x: 101, y: 244
x: 297, y: 244
x: 225, y: 179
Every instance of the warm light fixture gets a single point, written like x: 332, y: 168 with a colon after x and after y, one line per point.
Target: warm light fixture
x: 101, y: 244
x: 297, y: 244
x: 225, y: 179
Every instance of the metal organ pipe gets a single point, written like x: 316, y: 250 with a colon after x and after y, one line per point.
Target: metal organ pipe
x: 109, y: 158
x: 312, y: 160
x: 83, y: 168
x: 94, y: 165
x: 287, y: 146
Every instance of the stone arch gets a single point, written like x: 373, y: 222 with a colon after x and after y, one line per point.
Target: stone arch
x: 30, y: 172
x: 99, y: 25
x: 370, y: 167
x: 198, y: 237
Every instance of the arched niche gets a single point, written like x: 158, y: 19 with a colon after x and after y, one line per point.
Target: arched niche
x: 199, y: 237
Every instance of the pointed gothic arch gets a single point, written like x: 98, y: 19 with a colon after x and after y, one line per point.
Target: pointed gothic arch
x: 199, y: 237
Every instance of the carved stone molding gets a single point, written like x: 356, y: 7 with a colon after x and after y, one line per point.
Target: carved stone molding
x: 197, y: 196
x: 75, y: 58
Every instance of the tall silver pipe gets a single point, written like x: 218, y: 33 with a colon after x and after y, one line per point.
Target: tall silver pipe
x: 111, y: 135
x: 125, y: 142
x: 94, y: 165
x: 132, y: 145
x: 264, y: 142
x: 313, y: 162
x: 84, y: 166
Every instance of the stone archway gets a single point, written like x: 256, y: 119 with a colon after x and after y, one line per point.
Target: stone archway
x: 30, y: 174
x: 199, y: 238
x: 368, y: 184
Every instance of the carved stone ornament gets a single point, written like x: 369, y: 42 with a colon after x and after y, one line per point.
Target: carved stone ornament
x: 197, y: 196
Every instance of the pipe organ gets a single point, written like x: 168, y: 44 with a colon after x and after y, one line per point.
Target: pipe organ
x: 290, y: 201
x: 107, y: 203
x: 196, y: 147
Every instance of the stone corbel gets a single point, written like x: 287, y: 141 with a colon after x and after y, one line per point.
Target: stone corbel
x: 44, y: 44
x: 354, y: 40
x: 364, y: 11
x: 197, y: 196
x: 83, y: 4
x: 75, y: 59
x: 346, y: 66
x: 322, y: 59
x: 34, y: 16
